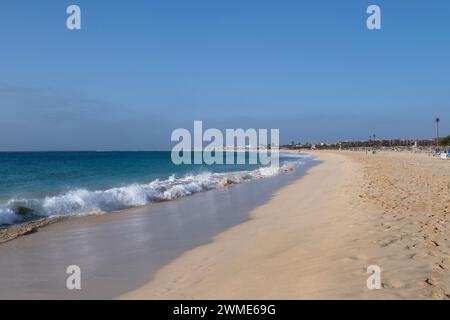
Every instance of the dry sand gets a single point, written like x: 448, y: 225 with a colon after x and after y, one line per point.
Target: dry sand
x: 316, y: 237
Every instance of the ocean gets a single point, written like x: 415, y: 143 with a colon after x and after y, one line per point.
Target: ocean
x: 36, y: 185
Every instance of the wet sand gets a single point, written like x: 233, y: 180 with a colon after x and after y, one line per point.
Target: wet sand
x: 121, y: 251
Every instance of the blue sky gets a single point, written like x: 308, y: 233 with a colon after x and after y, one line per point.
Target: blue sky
x: 139, y: 69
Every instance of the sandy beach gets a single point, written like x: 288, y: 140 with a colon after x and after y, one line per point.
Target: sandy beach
x: 316, y: 237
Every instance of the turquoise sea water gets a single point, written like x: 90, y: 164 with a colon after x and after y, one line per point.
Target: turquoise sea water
x: 42, y: 184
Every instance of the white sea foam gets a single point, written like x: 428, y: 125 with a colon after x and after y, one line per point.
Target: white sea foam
x: 7, y: 216
x: 82, y: 201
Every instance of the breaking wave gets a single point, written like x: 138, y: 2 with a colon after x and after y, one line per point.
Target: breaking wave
x: 84, y: 202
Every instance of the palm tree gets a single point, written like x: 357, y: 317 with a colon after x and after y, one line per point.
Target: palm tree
x: 437, y: 130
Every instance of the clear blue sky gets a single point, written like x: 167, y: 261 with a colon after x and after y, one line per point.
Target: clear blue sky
x: 139, y: 69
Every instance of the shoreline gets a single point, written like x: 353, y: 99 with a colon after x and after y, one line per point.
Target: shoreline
x: 22, y: 229
x: 241, y: 263
x: 118, y: 252
x: 316, y: 238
